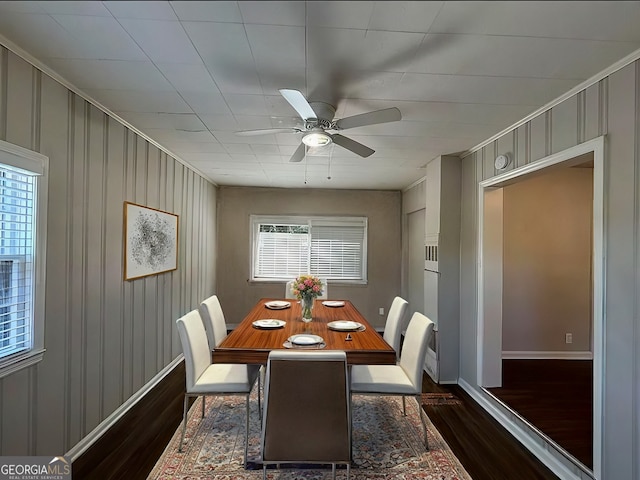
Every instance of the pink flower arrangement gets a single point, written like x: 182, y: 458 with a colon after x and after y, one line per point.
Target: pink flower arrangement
x: 307, y: 286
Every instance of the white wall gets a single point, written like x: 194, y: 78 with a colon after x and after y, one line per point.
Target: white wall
x: 104, y: 337
x: 610, y: 107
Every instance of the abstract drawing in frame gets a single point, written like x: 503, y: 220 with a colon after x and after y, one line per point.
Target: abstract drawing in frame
x: 150, y: 241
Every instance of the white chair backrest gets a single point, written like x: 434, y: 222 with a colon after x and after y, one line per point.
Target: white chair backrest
x: 393, y: 326
x: 214, y: 322
x: 414, y: 348
x: 287, y: 290
x: 197, y: 356
x: 325, y: 289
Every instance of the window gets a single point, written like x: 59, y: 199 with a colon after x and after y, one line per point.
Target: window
x: 22, y: 231
x: 334, y: 248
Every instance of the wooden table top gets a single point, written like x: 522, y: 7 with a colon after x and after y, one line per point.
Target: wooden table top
x: 248, y: 344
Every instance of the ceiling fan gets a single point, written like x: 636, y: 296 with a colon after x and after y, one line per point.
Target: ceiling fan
x: 318, y: 118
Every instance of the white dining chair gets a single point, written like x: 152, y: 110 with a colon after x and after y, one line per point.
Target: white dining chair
x: 214, y: 322
x: 404, y: 378
x: 204, y: 378
x: 287, y: 289
x: 393, y: 326
x: 306, y: 409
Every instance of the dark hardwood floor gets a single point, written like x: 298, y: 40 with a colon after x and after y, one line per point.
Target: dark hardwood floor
x: 485, y: 449
x: 556, y: 396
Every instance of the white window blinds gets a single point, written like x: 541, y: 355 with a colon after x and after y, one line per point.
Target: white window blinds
x: 330, y: 247
x: 16, y: 261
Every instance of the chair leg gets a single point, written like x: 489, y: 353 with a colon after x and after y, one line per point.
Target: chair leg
x: 333, y: 471
x: 259, y: 407
x: 264, y: 471
x: 204, y: 401
x: 184, y: 422
x: 422, y: 420
x: 246, y: 434
x: 348, y: 470
x: 404, y: 406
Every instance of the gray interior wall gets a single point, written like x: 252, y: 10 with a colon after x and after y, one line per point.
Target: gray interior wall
x: 547, y: 247
x: 612, y: 108
x: 236, y: 204
x: 104, y: 337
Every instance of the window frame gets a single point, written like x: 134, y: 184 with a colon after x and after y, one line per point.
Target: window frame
x: 256, y: 220
x: 36, y: 165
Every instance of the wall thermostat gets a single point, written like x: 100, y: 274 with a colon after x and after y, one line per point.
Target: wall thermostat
x: 501, y: 162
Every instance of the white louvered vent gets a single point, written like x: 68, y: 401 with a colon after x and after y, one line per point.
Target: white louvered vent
x: 431, y: 253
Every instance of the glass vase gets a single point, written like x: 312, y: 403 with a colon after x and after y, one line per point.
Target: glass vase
x: 306, y: 304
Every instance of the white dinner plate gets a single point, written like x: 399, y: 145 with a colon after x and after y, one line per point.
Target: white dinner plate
x: 344, y: 325
x: 305, y: 339
x: 269, y: 323
x: 277, y: 304
x: 333, y: 303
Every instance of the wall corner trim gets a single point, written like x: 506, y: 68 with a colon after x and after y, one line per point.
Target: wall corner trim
x: 93, y: 436
x: 540, y: 449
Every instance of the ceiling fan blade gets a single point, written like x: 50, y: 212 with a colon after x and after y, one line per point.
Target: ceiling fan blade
x: 299, y: 154
x: 355, y: 147
x: 370, y: 118
x: 299, y: 103
x: 267, y: 131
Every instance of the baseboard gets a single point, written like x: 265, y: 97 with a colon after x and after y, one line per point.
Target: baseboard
x: 536, y: 445
x: 533, y: 355
x: 128, y: 443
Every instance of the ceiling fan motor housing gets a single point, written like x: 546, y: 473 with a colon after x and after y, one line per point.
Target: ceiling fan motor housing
x: 324, y: 115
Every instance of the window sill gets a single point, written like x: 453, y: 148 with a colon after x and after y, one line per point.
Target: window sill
x: 20, y: 361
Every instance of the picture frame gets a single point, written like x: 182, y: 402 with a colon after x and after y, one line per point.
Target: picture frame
x: 150, y: 241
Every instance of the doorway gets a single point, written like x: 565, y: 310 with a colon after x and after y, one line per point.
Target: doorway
x: 531, y: 282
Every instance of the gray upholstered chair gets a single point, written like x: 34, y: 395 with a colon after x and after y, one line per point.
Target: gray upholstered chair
x: 403, y: 379
x: 214, y: 322
x: 393, y: 326
x: 306, y: 409
x: 204, y: 378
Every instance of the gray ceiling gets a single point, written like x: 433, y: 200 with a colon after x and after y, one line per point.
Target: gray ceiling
x: 190, y: 74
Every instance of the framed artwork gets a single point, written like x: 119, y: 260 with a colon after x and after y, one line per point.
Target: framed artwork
x: 150, y: 241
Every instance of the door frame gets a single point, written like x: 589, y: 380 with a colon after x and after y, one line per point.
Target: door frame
x: 489, y: 354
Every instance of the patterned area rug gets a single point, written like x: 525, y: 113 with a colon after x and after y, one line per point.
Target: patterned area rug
x: 386, y: 445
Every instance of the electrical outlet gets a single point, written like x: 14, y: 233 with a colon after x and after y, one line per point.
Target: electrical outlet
x: 381, y: 311
x: 568, y: 338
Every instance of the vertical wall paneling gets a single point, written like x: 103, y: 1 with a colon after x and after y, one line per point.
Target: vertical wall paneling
x: 104, y: 337
x: 636, y: 379
x: 603, y: 125
x: 151, y: 282
x: 468, y: 251
x: 114, y: 192
x: 93, y: 266
x: 538, y: 137
x: 592, y: 112
x: 138, y: 328
x: 620, y: 248
x: 564, y: 125
x: 488, y: 160
x: 51, y: 411
x: 19, y: 102
x: 520, y: 155
x: 35, y: 107
x: 580, y: 115
x: 507, y: 145
x: 4, y: 77
x: 128, y: 298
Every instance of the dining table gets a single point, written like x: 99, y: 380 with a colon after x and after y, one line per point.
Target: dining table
x: 265, y: 329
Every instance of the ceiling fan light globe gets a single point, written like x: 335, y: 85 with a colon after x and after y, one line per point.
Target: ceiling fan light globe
x: 316, y: 139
